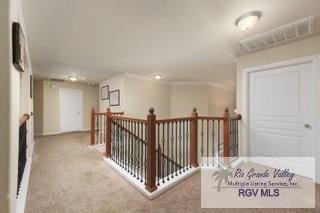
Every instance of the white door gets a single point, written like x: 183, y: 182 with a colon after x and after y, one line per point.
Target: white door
x: 70, y: 110
x: 281, y: 116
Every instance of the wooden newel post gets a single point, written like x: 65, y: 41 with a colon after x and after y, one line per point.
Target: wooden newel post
x: 108, y: 133
x: 151, y: 151
x: 92, y: 127
x: 226, y: 135
x: 194, y: 138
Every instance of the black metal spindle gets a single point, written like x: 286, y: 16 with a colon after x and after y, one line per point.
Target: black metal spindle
x: 172, y: 148
x: 168, y: 147
x: 162, y: 155
x: 207, y: 151
x: 213, y: 132
x: 202, y: 133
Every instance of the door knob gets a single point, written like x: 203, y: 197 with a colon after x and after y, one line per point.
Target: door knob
x: 308, y: 126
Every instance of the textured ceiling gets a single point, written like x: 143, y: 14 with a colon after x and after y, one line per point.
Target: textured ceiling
x: 182, y: 39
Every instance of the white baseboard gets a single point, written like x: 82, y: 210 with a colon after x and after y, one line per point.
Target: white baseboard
x: 21, y: 200
x: 141, y: 187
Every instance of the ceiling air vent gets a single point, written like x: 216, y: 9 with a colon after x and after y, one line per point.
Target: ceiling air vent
x: 289, y: 32
x: 55, y: 79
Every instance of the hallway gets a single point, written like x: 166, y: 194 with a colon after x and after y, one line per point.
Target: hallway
x: 68, y: 177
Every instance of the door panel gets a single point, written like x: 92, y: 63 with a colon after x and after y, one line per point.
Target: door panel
x: 280, y: 106
x: 70, y: 110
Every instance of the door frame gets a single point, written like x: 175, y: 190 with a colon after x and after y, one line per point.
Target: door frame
x: 244, y: 144
x: 81, y: 108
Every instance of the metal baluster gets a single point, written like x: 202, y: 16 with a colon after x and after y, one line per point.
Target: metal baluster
x: 145, y: 156
x: 183, y: 146
x: 176, y: 142
x: 187, y: 145
x: 172, y: 150
x: 207, y: 142
x: 212, y: 142
x: 219, y: 143
x: 141, y: 152
x: 180, y: 141
x: 202, y: 133
x: 168, y: 146
x: 162, y: 154
x: 158, y: 153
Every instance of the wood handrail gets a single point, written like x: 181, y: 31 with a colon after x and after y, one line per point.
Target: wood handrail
x: 128, y: 119
x: 129, y: 132
x: 211, y: 118
x: 168, y: 120
x: 24, y: 119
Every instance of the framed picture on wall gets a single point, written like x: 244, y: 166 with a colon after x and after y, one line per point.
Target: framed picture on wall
x: 115, y: 98
x: 18, y: 47
x: 105, y: 95
x: 31, y: 86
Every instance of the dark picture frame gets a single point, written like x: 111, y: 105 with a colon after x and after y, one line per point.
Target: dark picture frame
x: 18, y: 47
x: 31, y: 86
x: 105, y: 94
x: 115, y: 97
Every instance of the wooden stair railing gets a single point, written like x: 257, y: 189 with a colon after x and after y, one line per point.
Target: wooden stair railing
x: 155, y: 151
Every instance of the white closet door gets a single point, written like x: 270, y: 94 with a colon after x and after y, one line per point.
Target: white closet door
x: 282, y: 115
x: 70, y: 110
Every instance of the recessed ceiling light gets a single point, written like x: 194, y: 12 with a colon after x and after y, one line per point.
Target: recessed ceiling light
x: 73, y: 78
x: 248, y: 20
x: 158, y: 77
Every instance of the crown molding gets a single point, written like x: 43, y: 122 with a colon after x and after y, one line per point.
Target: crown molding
x: 175, y: 83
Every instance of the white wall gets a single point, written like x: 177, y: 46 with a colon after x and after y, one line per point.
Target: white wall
x: 185, y: 97
x: 307, y: 47
x: 219, y: 99
x: 10, y: 11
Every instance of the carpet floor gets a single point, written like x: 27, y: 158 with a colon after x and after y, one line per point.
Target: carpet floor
x: 69, y: 177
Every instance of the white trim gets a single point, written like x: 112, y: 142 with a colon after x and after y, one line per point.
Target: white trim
x: 206, y: 83
x: 21, y: 200
x: 244, y: 105
x: 141, y: 187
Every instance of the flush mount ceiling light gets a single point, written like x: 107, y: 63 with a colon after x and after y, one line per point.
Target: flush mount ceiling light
x: 158, y: 77
x: 248, y: 20
x: 73, y: 78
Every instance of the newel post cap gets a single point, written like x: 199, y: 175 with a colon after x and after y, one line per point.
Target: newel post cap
x: 151, y: 110
x: 108, y: 109
x: 194, y: 109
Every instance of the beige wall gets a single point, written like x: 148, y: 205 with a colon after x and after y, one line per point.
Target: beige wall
x: 219, y: 99
x: 303, y: 48
x: 170, y: 99
x: 5, y: 111
x: 143, y: 94
x: 49, y: 121
x: 114, y: 83
x: 38, y: 106
x: 185, y: 97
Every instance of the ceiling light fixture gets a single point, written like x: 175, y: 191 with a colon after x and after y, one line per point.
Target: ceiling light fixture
x: 248, y: 20
x: 158, y: 77
x: 73, y: 78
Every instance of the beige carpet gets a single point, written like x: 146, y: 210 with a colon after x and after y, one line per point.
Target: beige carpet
x: 68, y: 177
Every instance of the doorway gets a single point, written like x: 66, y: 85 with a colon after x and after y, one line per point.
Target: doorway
x: 70, y: 110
